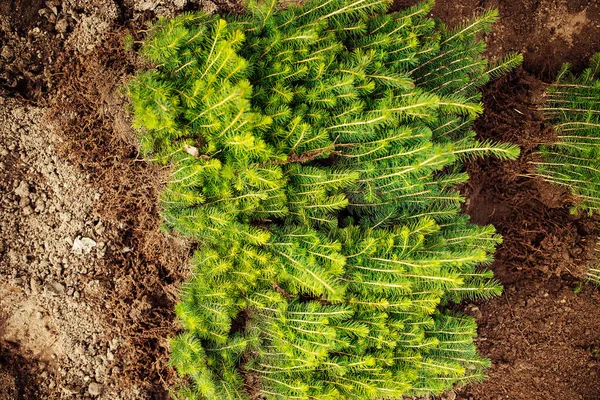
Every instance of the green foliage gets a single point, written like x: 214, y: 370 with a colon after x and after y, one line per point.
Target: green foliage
x: 573, y: 107
x: 315, y: 154
x: 573, y: 161
x: 594, y: 275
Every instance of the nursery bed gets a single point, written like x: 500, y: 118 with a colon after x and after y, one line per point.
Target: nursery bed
x: 94, y: 325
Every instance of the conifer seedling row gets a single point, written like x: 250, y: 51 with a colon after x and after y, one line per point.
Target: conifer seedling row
x: 315, y: 153
x: 573, y: 161
x: 573, y: 108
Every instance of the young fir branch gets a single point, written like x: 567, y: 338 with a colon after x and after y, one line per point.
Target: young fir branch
x: 594, y: 275
x: 315, y: 151
x: 573, y: 107
x: 594, y: 272
x: 573, y: 161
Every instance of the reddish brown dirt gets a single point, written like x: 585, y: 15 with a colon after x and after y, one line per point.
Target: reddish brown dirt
x: 91, y: 107
x: 136, y: 278
x: 18, y: 378
x: 542, y: 334
x: 541, y: 236
x: 547, y: 32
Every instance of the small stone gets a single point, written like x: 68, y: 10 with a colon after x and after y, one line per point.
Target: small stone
x: 34, y: 285
x: 51, y: 3
x: 83, y: 245
x: 99, y: 228
x: 24, y: 202
x: 61, y: 26
x: 450, y: 395
x: 22, y: 190
x: 475, y: 312
x: 56, y: 288
x: 7, y: 53
x: 191, y: 150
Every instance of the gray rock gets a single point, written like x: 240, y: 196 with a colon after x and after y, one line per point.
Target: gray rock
x: 94, y: 389
x: 61, y: 26
x: 56, y: 288
x: 23, y: 189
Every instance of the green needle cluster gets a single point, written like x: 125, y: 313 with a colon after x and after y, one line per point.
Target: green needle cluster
x: 573, y: 160
x: 315, y: 153
x: 573, y: 108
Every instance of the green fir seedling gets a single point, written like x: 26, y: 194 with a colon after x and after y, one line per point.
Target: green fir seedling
x: 315, y: 153
x: 573, y: 161
x: 594, y: 275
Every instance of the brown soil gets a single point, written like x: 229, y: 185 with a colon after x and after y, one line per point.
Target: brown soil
x: 547, y: 32
x: 542, y: 334
x: 144, y: 276
x: 91, y: 323
x: 75, y: 324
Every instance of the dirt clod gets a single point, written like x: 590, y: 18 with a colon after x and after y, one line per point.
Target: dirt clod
x: 94, y: 389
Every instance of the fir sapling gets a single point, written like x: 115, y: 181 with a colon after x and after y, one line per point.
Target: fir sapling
x: 594, y: 273
x: 315, y: 154
x: 573, y: 161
